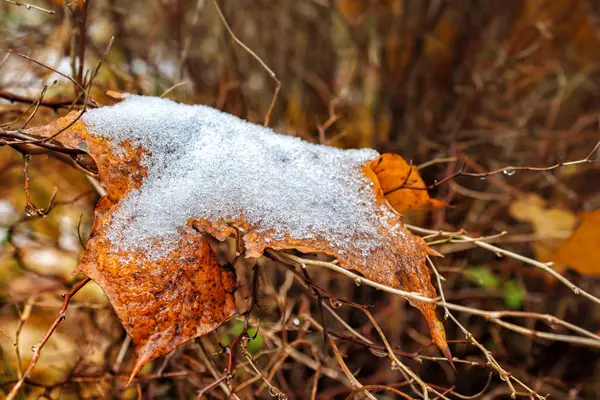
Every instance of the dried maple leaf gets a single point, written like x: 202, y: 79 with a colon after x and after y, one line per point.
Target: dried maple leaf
x: 399, y: 182
x: 161, y: 303
x: 582, y: 250
x: 172, y: 170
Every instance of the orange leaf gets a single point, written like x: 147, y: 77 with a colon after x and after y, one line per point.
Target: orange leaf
x: 173, y: 170
x: 352, y: 10
x: 396, y: 178
x: 582, y: 250
x: 161, y: 303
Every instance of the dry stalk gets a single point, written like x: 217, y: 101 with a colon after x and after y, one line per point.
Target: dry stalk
x: 37, y: 349
x: 504, y: 375
x: 30, y: 6
x: 257, y: 58
x: 495, y: 317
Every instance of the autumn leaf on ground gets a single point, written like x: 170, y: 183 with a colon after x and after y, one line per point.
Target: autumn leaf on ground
x: 582, y: 250
x: 172, y: 171
x: 552, y: 225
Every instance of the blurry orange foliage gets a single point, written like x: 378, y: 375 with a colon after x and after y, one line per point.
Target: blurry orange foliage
x: 582, y: 250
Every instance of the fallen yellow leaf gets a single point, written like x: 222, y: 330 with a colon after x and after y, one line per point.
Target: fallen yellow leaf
x: 552, y: 225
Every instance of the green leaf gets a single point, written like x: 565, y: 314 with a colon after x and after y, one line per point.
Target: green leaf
x: 513, y: 295
x: 255, y: 344
x: 482, y: 277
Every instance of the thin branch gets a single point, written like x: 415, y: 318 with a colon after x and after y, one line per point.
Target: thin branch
x: 30, y: 6
x: 54, y: 104
x: 37, y: 349
x: 592, y: 340
x: 173, y: 87
x: 36, y: 107
x: 86, y: 92
x: 497, y: 250
x: 257, y: 58
x: 355, y: 383
x: 504, y: 375
x: 41, y: 64
x: 509, y: 170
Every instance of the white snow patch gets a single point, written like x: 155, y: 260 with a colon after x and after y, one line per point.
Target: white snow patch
x: 203, y: 163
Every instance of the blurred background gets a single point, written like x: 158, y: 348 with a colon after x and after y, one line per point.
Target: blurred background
x: 447, y: 84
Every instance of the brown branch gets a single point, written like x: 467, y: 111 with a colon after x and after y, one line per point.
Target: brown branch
x: 213, y: 385
x: 35, y: 108
x: 244, y: 334
x: 37, y: 349
x: 23, y: 139
x: 379, y: 388
x: 340, y: 360
x: 41, y: 64
x: 509, y: 170
x: 257, y: 58
x: 333, y: 117
x: 30, y: 6
x: 54, y: 104
x: 80, y: 15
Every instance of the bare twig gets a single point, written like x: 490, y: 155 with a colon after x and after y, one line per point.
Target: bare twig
x: 30, y: 6
x: 591, y: 340
x: 86, y: 92
x: 257, y: 58
x: 175, y: 86
x: 23, y: 317
x: 41, y: 64
x: 355, y: 383
x: 504, y: 375
x: 497, y: 250
x: 37, y: 349
x: 54, y: 104
x: 505, y: 170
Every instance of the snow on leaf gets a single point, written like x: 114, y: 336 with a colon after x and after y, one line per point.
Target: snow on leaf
x: 172, y: 170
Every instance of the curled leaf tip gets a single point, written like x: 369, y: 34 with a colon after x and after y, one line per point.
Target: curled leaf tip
x: 139, y: 364
x: 434, y: 253
x: 438, y: 335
